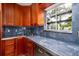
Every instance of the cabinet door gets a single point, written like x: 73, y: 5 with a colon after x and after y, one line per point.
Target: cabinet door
x: 8, y: 14
x: 29, y: 47
x: 27, y: 16
x: 8, y: 47
x: 34, y: 14
x: 20, y: 46
x: 0, y: 16
x: 18, y: 15
x: 16, y: 11
x: 0, y: 26
x: 37, y: 15
x: 40, y: 13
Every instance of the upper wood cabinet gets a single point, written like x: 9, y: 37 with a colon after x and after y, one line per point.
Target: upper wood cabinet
x: 26, y: 16
x: 8, y: 13
x: 0, y: 20
x: 12, y: 14
x: 37, y: 15
x: 18, y: 15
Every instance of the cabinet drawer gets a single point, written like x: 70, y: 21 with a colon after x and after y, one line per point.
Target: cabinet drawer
x: 9, y: 42
x: 10, y: 54
x: 9, y: 49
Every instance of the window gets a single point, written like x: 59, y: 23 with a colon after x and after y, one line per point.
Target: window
x: 59, y: 17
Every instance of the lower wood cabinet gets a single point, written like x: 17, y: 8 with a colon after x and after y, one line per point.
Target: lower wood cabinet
x: 20, y: 46
x: 17, y: 47
x: 9, y: 47
x: 29, y: 47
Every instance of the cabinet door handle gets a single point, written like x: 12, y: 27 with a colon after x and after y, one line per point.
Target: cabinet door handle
x: 40, y: 50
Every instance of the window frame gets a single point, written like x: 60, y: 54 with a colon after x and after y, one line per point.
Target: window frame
x: 45, y: 21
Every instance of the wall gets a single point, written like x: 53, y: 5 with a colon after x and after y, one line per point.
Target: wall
x: 67, y: 37
x: 75, y: 21
x: 72, y: 37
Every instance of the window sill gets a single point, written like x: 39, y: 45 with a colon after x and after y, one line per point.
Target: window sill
x: 61, y: 31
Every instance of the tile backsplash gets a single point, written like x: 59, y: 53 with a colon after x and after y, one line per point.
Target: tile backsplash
x: 10, y: 31
x: 67, y: 37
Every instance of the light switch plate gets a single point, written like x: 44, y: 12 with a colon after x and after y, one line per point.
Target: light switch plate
x: 78, y: 33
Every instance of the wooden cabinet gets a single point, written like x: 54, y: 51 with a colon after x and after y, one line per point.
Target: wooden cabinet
x: 8, y: 14
x: 18, y: 15
x: 29, y: 47
x: 37, y: 15
x: 25, y: 47
x: 16, y: 18
x: 0, y: 17
x: 0, y: 27
x: 26, y: 16
x: 12, y: 47
x: 12, y: 14
x: 9, y: 47
x: 20, y: 46
x: 17, y: 47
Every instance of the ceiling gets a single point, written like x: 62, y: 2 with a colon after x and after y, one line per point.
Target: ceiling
x: 42, y: 5
x: 25, y: 4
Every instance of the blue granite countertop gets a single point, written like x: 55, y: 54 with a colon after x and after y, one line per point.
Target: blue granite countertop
x: 55, y: 46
